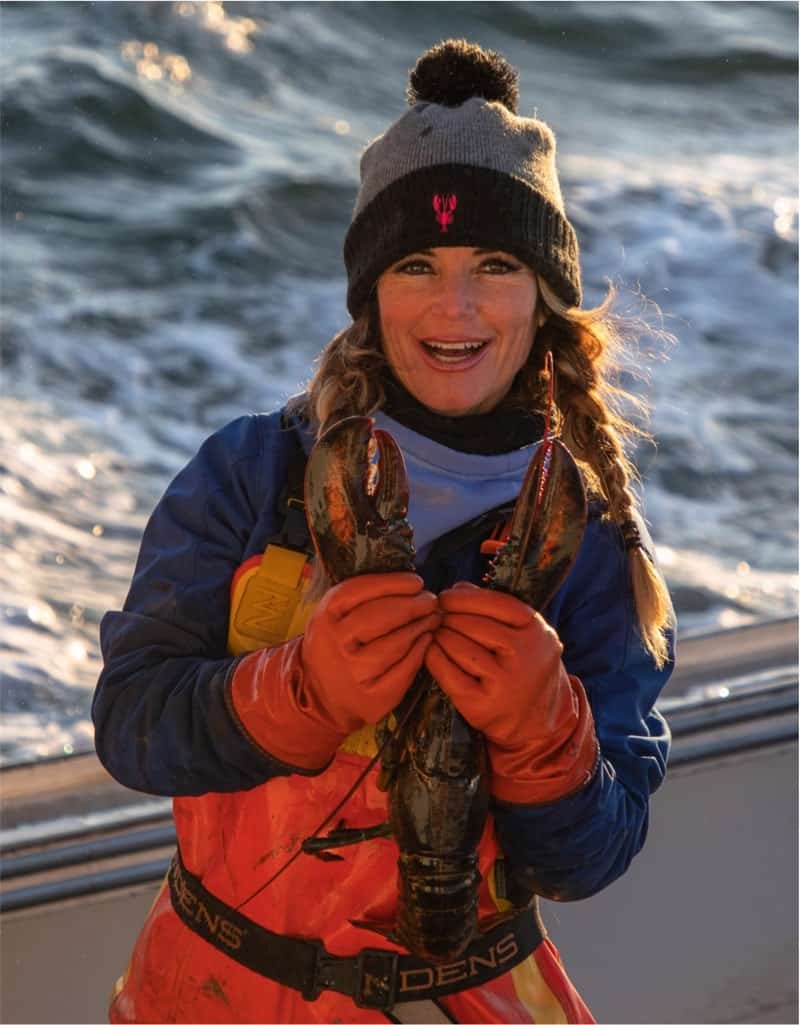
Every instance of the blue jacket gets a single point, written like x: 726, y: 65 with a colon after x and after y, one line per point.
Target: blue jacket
x: 161, y: 722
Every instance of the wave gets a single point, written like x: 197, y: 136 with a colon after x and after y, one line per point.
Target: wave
x: 177, y: 182
x: 95, y: 120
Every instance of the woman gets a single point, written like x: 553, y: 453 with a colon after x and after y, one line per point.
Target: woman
x: 257, y: 712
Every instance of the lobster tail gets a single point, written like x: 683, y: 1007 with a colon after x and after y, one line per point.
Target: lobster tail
x: 438, y: 807
x: 437, y: 910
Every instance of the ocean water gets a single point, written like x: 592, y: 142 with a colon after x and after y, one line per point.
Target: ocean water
x: 177, y: 179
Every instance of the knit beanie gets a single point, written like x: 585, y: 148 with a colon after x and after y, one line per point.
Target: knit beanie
x: 461, y: 168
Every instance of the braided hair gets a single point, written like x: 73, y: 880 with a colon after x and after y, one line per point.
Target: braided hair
x: 584, y: 345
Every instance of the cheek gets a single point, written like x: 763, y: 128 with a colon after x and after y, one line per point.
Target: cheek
x: 400, y: 311
x: 521, y: 332
x: 390, y: 312
x: 516, y: 322
x: 394, y: 339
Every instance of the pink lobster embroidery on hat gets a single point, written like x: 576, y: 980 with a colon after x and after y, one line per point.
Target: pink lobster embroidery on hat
x: 444, y: 207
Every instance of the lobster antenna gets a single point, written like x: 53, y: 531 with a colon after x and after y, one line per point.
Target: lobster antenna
x: 547, y: 440
x: 551, y: 391
x: 360, y: 779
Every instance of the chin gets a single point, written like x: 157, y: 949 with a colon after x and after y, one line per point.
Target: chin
x: 456, y: 408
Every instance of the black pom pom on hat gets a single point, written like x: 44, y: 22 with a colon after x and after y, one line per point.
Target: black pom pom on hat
x: 455, y: 70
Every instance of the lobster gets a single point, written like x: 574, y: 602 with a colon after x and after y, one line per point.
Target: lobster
x: 434, y: 764
x: 445, y: 207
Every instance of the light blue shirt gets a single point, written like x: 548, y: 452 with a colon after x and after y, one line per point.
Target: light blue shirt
x: 448, y: 488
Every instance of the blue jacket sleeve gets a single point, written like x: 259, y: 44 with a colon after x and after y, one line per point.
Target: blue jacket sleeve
x: 161, y: 724
x: 576, y: 846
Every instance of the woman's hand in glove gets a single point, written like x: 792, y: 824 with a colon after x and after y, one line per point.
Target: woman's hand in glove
x: 362, y: 648
x: 365, y: 643
x: 500, y: 664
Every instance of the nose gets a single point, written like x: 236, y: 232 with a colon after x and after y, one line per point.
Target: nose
x: 456, y: 294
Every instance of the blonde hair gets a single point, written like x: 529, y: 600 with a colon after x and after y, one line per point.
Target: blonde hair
x: 586, y: 346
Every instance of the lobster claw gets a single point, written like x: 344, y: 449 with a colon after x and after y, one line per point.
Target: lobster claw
x: 356, y: 493
x: 546, y: 530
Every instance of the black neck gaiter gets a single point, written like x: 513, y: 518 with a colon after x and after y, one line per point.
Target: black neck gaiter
x: 504, y: 429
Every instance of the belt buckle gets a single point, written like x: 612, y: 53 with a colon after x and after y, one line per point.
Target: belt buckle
x: 376, y: 980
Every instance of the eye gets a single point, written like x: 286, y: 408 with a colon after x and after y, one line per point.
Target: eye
x: 499, y: 265
x: 414, y: 265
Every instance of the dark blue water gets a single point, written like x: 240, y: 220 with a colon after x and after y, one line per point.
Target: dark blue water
x: 177, y: 180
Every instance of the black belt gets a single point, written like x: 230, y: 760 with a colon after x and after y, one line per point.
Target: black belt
x: 374, y: 978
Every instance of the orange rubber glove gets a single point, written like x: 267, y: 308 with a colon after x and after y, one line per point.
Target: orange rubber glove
x: 362, y: 648
x: 500, y: 664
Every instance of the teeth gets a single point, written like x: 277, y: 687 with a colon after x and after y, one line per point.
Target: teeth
x: 451, y: 347
x: 453, y: 351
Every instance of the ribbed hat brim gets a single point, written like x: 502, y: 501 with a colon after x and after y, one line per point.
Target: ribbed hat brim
x: 490, y: 210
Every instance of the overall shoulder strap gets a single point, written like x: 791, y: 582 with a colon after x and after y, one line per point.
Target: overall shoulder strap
x: 294, y: 531
x: 439, y: 569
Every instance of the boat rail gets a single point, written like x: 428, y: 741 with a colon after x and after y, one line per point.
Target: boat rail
x: 48, y: 856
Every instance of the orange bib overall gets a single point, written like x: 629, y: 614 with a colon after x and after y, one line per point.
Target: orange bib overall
x: 235, y: 842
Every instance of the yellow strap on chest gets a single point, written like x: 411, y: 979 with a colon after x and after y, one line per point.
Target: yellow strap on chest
x: 267, y: 600
x: 268, y: 607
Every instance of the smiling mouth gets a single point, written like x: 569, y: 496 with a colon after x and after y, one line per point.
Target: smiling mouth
x: 453, y: 352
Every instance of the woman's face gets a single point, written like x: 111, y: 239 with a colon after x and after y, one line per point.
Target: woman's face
x: 457, y: 324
